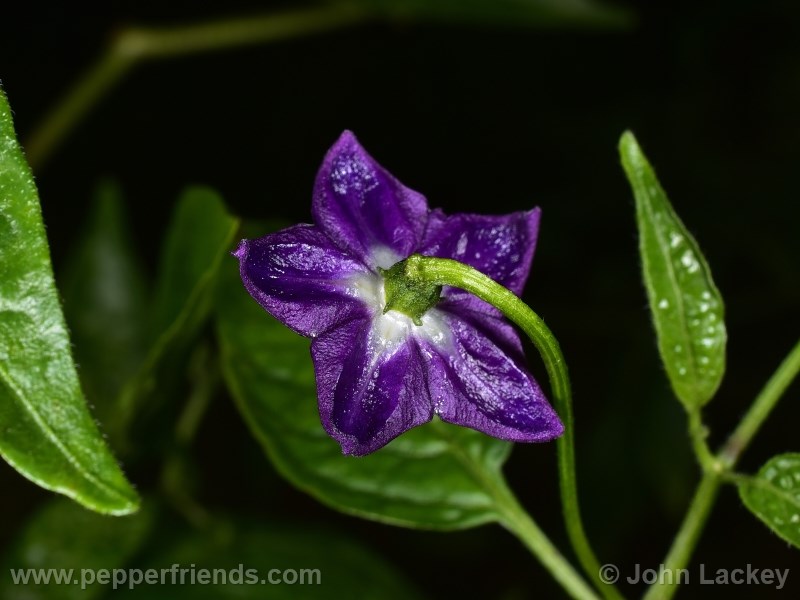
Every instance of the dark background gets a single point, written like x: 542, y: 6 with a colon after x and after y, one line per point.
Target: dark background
x: 485, y: 119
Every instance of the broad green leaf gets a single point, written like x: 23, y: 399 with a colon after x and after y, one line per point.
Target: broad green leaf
x: 520, y: 13
x: 249, y: 553
x: 199, y: 238
x: 687, y: 308
x: 104, y: 301
x: 62, y: 535
x: 773, y: 495
x: 46, y: 431
x: 435, y: 476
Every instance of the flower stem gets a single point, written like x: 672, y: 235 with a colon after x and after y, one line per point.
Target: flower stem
x: 443, y: 271
x: 135, y: 44
x: 516, y: 519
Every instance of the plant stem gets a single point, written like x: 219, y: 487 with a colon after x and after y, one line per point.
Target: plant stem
x: 516, y: 519
x: 204, y: 372
x: 719, y: 470
x: 688, y: 536
x: 135, y: 44
x: 761, y: 408
x: 442, y: 271
x: 698, y: 433
x: 74, y: 105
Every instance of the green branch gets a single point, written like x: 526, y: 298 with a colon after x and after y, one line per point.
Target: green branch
x: 517, y: 520
x: 718, y: 469
x: 133, y: 45
x: 442, y: 271
x: 761, y: 408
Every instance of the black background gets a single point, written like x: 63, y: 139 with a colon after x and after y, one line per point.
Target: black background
x: 487, y: 120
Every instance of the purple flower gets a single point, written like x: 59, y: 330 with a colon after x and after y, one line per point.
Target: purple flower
x: 380, y: 373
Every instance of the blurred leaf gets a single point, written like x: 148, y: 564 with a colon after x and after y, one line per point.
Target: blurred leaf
x: 687, y: 308
x: 62, y: 535
x: 773, y: 495
x: 46, y: 431
x: 104, y: 301
x: 523, y: 13
x: 253, y: 551
x: 199, y: 237
x: 435, y: 476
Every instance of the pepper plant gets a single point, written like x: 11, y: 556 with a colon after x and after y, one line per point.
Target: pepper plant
x: 380, y: 353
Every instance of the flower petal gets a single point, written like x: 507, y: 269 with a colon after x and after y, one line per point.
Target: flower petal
x: 498, y: 246
x: 301, y: 278
x: 363, y: 208
x: 476, y: 383
x: 368, y: 393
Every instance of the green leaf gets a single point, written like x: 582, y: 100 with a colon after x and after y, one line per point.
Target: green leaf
x: 435, y: 476
x: 327, y: 562
x: 773, y: 495
x: 46, y: 431
x: 62, y: 535
x: 687, y: 308
x: 104, y: 302
x: 198, y: 239
x: 519, y: 13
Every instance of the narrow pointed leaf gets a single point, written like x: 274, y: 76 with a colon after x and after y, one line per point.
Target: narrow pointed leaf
x: 687, y: 308
x: 435, y: 476
x: 104, y: 301
x: 773, y: 495
x: 46, y: 431
x: 63, y: 535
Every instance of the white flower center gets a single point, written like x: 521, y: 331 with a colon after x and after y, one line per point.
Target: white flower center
x: 391, y: 329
